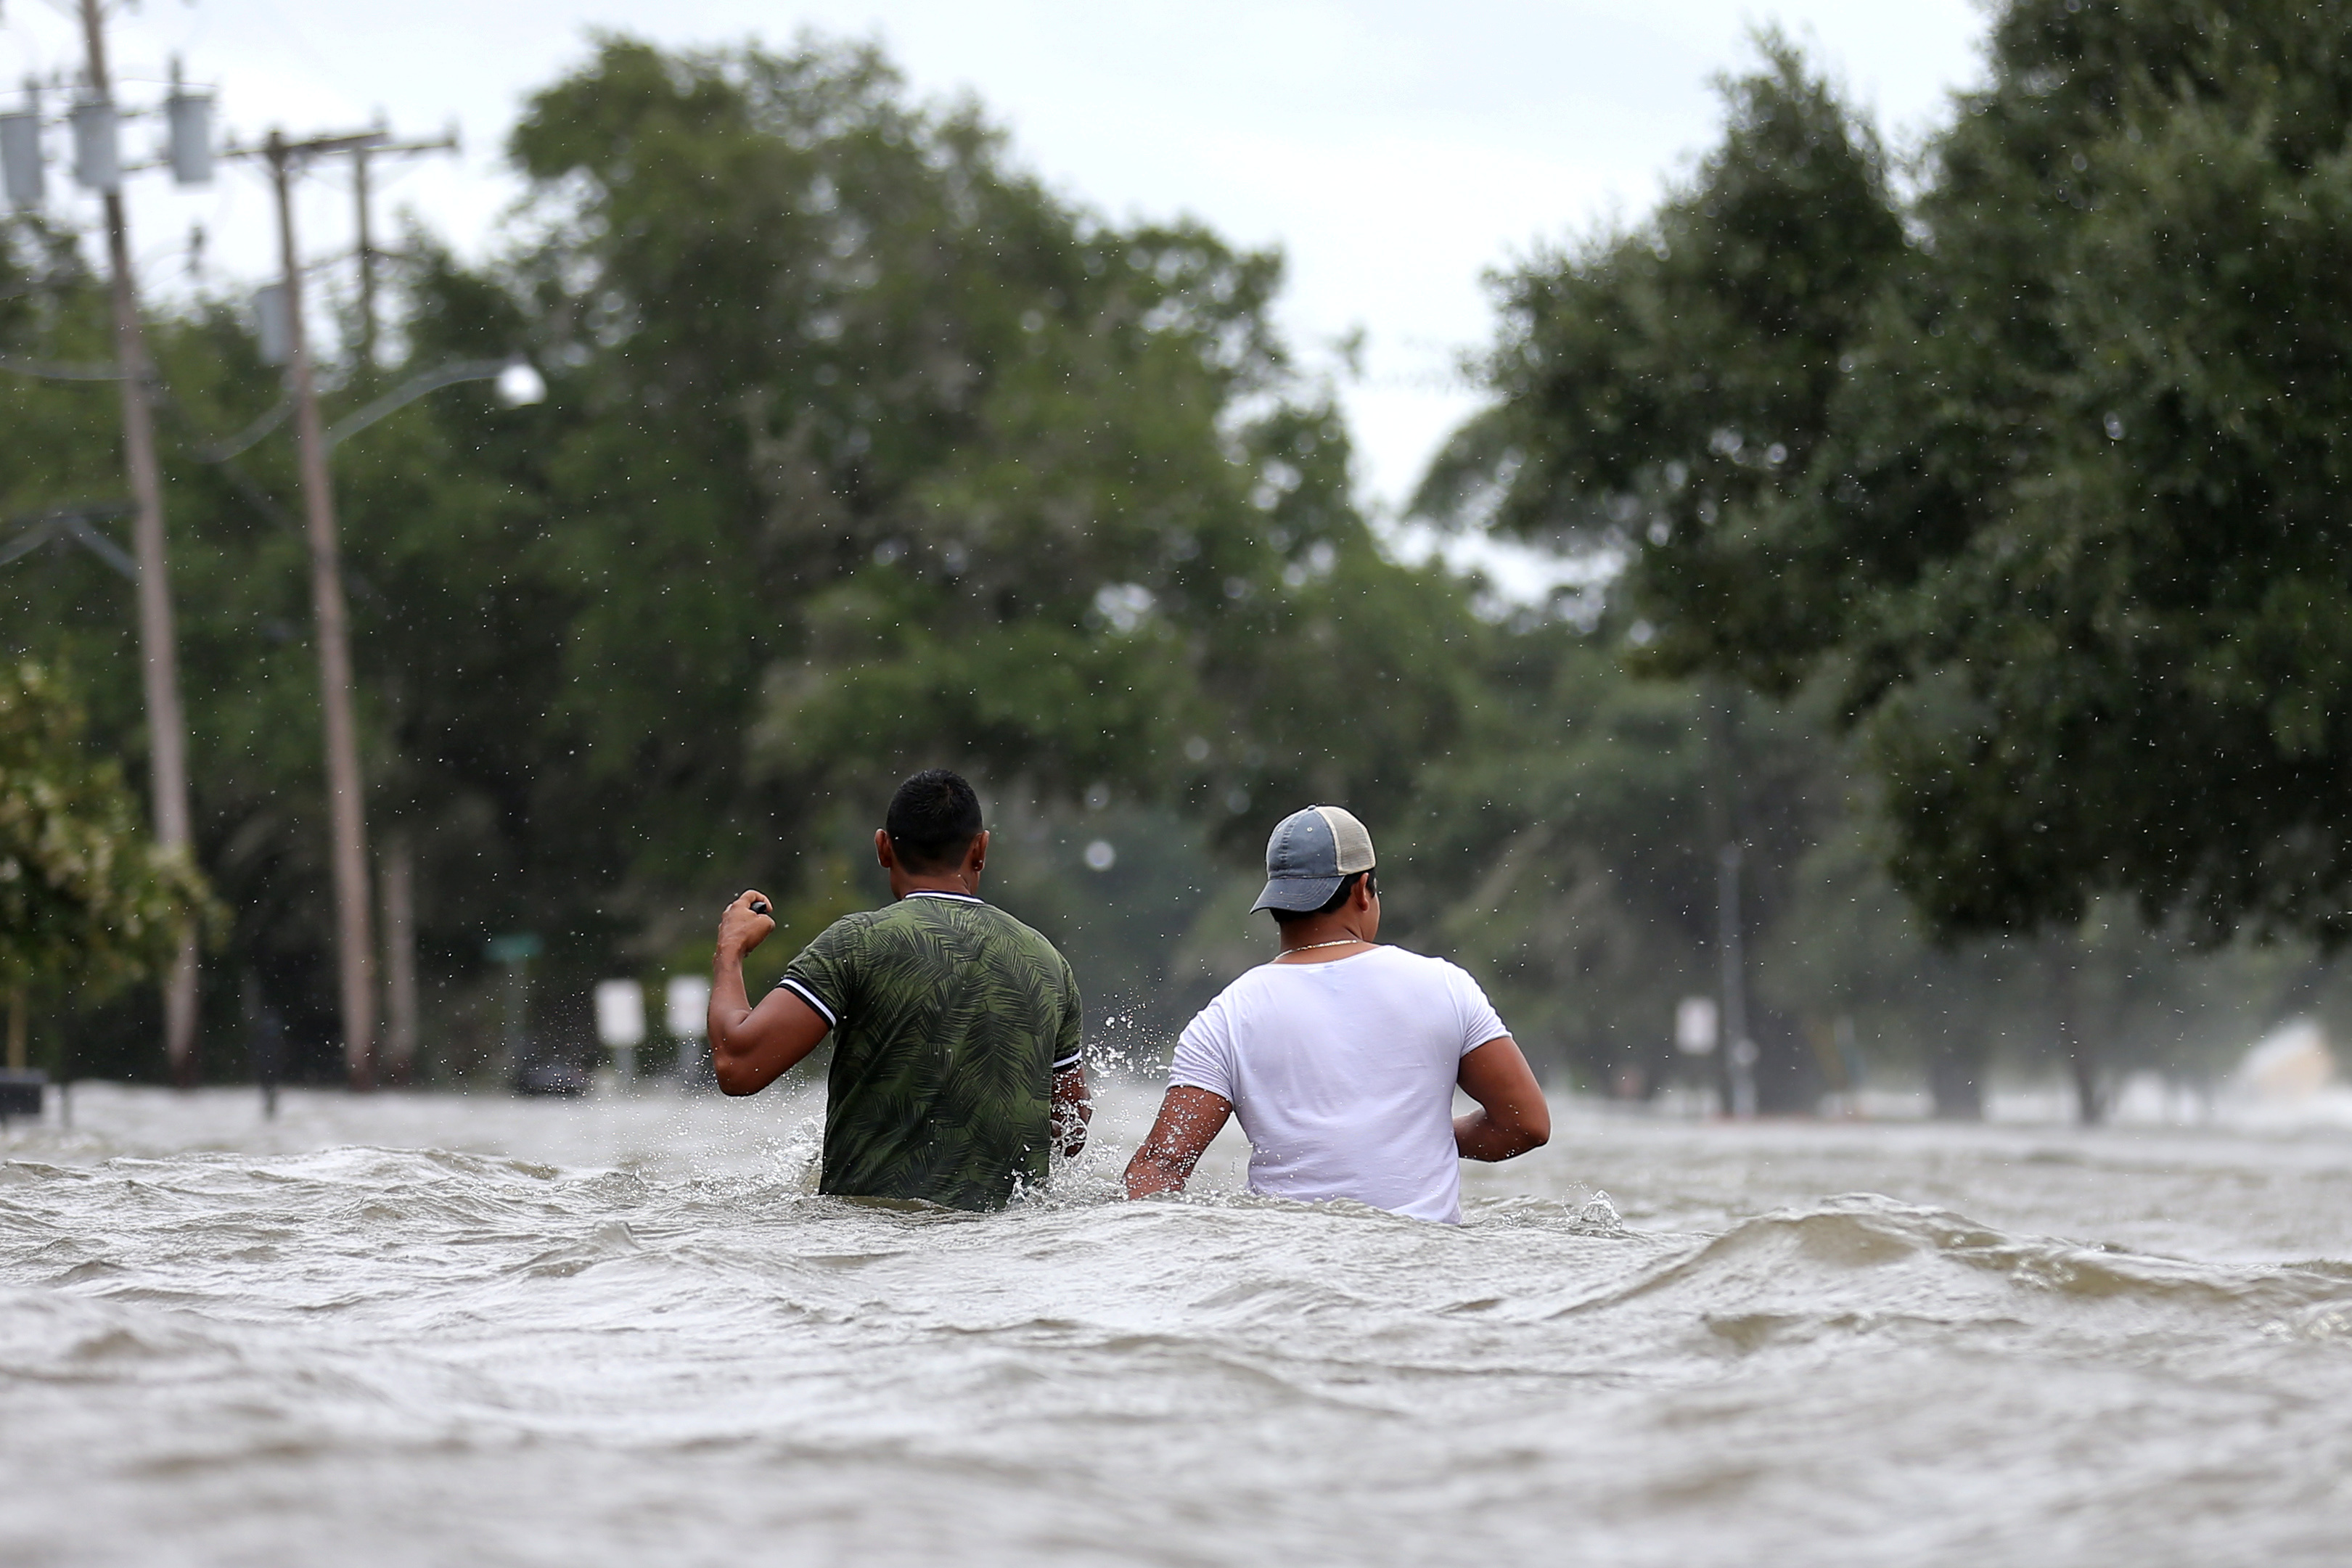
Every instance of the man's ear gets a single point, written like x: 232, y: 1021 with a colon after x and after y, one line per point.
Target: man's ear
x: 975, y: 854
x: 1365, y: 894
x: 882, y: 850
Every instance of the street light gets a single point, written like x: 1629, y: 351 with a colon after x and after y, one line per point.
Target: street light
x: 517, y: 383
x: 520, y: 384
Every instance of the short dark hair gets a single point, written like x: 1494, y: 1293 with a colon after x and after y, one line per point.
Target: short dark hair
x: 1340, y: 896
x: 933, y: 819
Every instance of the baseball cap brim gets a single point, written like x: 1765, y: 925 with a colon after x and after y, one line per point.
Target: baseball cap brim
x: 1297, y: 894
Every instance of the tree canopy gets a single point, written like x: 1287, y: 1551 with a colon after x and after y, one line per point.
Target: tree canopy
x: 86, y: 896
x: 864, y: 450
x: 2040, y: 466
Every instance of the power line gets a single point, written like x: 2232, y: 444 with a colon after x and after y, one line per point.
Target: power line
x: 72, y: 523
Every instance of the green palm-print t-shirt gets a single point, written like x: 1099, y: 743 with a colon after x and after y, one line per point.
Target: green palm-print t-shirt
x: 949, y: 1020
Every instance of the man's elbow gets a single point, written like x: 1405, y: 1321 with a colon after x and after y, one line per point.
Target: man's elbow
x: 735, y: 1078
x: 1513, y: 1132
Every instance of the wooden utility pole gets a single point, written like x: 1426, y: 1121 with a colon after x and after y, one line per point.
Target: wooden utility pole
x: 364, y: 198
x: 1740, y: 1053
x: 354, y: 937
x: 167, y: 742
x: 364, y: 155
x: 399, y: 957
x: 1739, y: 1048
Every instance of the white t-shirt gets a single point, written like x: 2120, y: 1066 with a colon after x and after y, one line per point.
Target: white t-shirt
x: 1343, y: 1074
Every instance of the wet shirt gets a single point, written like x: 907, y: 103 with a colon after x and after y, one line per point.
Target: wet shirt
x: 1342, y: 1075
x: 949, y: 1020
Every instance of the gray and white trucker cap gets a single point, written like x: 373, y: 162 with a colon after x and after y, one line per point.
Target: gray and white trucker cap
x: 1311, y: 854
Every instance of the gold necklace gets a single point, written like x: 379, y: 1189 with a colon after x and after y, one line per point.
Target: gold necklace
x: 1310, y: 946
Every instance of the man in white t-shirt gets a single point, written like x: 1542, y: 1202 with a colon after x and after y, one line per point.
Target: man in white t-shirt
x: 1341, y: 1056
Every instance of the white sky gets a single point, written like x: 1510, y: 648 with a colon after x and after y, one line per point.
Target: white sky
x: 1394, y: 150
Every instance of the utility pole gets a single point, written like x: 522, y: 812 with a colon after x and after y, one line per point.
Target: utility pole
x: 397, y: 1055
x: 364, y: 197
x: 355, y: 938
x: 1739, y: 1050
x: 159, y: 658
x: 363, y: 158
x: 1740, y: 1053
x: 399, y: 1058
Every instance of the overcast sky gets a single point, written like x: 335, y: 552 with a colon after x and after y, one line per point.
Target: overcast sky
x: 1393, y: 150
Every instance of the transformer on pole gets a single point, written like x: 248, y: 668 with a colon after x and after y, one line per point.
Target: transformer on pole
x: 98, y: 145
x: 190, y: 117
x: 21, y: 168
x: 271, y: 331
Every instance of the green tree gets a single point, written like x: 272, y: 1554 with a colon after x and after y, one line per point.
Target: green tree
x: 1564, y: 848
x: 865, y: 445
x: 2103, y: 647
x: 1895, y: 464
x: 1660, y: 386
x: 856, y: 434
x: 86, y: 898
x: 2060, y: 517
x: 1662, y: 389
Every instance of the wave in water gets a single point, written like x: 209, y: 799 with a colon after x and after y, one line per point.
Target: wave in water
x: 395, y: 1356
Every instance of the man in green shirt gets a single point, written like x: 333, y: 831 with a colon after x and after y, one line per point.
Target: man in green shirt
x: 956, y: 1061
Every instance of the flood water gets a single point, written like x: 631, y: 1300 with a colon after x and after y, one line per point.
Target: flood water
x: 439, y: 1329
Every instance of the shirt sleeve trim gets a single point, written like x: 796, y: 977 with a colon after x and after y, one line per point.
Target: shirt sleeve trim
x: 1192, y: 1080
x: 1070, y: 1060
x: 832, y: 1018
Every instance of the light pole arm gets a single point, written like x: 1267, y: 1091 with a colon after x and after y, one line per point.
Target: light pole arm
x: 409, y: 391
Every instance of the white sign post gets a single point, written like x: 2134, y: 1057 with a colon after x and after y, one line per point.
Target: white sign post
x: 686, y: 1011
x: 621, y: 1024
x: 1694, y: 1026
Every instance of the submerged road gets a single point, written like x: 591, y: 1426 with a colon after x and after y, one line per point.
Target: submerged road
x: 432, y: 1329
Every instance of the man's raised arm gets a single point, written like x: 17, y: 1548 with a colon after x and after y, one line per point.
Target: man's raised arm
x: 751, y: 1046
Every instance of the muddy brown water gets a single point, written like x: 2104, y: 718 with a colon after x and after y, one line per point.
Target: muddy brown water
x: 436, y: 1330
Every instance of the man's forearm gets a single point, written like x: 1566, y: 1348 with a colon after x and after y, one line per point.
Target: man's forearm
x: 751, y: 1047
x: 731, y: 1004
x: 1189, y: 1120
x: 1074, y: 1108
x: 1512, y: 1117
x: 1479, y: 1136
x: 1154, y: 1171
